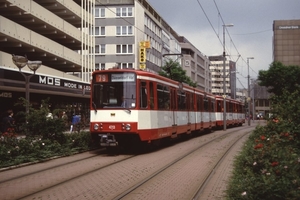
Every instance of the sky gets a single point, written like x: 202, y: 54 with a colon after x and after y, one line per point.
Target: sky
x: 200, y: 21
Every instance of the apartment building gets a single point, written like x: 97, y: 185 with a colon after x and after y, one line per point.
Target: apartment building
x: 286, y: 41
x: 55, y: 33
x: 126, y: 24
x: 217, y: 70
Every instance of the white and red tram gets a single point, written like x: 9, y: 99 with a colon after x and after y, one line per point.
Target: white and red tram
x: 156, y: 108
x: 235, y: 114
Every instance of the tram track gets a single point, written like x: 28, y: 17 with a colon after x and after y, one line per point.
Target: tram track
x: 113, y: 177
x: 132, y: 192
x: 72, y: 169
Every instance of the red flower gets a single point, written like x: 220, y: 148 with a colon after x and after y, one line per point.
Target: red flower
x: 258, y: 146
x: 262, y: 137
x: 286, y: 134
x: 274, y: 164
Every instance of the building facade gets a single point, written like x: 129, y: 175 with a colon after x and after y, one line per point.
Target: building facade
x: 196, y: 65
x: 286, y: 41
x: 126, y: 24
x: 217, y: 71
x: 55, y: 33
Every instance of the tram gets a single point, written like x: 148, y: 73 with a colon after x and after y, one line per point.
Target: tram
x: 131, y: 107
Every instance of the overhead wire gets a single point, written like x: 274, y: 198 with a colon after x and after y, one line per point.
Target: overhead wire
x: 231, y: 40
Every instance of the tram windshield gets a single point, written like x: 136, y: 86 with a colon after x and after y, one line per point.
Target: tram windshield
x: 114, y: 90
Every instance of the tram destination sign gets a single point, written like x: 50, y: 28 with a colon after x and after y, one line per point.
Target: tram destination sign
x: 124, y: 77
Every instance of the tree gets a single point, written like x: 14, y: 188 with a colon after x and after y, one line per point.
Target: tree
x: 174, y: 71
x: 280, y: 78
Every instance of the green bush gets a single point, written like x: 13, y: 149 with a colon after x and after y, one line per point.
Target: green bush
x: 15, y: 151
x: 269, y: 165
x: 45, y: 138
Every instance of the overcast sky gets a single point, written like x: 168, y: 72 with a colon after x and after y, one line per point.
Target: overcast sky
x: 200, y: 21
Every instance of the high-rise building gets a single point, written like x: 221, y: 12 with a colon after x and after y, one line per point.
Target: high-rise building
x: 286, y: 41
x: 217, y: 70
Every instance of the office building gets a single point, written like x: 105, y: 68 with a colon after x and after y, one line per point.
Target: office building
x: 286, y: 41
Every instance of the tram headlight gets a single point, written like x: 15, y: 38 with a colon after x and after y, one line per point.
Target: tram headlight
x: 127, y: 127
x: 96, y: 126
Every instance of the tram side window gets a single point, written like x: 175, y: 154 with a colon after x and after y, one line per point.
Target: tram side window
x: 219, y: 106
x: 163, y: 97
x: 190, y: 101
x: 181, y: 99
x: 212, y: 105
x: 199, y: 103
x: 230, y: 106
x: 206, y: 105
x: 151, y: 96
x: 143, y: 95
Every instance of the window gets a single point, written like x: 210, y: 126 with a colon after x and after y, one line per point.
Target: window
x: 124, y: 12
x: 100, y: 49
x: 126, y: 65
x: 110, y: 94
x: 124, y: 30
x: 99, y: 66
x: 181, y: 99
x: 100, y: 30
x: 143, y: 95
x: 124, y: 49
x: 99, y: 12
x: 163, y: 97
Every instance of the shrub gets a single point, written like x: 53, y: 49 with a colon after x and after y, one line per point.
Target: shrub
x: 269, y: 164
x: 15, y: 151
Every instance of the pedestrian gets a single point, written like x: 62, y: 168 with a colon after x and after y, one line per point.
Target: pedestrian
x: 8, y: 122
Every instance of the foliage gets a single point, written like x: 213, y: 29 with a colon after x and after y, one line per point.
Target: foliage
x: 279, y: 78
x: 269, y: 165
x: 174, y: 71
x: 15, y: 151
x: 44, y: 137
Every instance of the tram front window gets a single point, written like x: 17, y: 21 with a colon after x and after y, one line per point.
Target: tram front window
x: 114, y: 95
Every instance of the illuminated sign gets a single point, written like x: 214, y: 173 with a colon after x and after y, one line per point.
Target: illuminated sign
x: 145, y: 44
x: 142, y: 55
x: 288, y: 27
x: 125, y: 77
x: 143, y: 66
x: 102, y: 78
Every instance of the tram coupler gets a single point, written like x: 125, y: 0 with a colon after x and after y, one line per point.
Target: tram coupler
x: 108, y: 140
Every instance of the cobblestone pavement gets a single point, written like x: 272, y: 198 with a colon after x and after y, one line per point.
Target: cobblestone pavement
x: 89, y: 187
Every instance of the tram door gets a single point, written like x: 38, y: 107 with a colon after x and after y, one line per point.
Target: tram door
x: 174, y: 108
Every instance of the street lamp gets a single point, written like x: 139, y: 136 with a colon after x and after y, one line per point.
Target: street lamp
x: 249, y: 99
x: 224, y: 77
x: 20, y: 62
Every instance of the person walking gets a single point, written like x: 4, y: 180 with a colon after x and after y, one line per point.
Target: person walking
x: 8, y: 122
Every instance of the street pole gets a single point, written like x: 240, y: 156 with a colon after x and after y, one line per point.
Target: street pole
x: 20, y: 62
x: 249, y: 98
x: 253, y: 101
x: 224, y: 77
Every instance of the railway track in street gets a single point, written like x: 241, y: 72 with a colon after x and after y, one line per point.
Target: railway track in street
x: 177, y: 180
x: 182, y: 171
